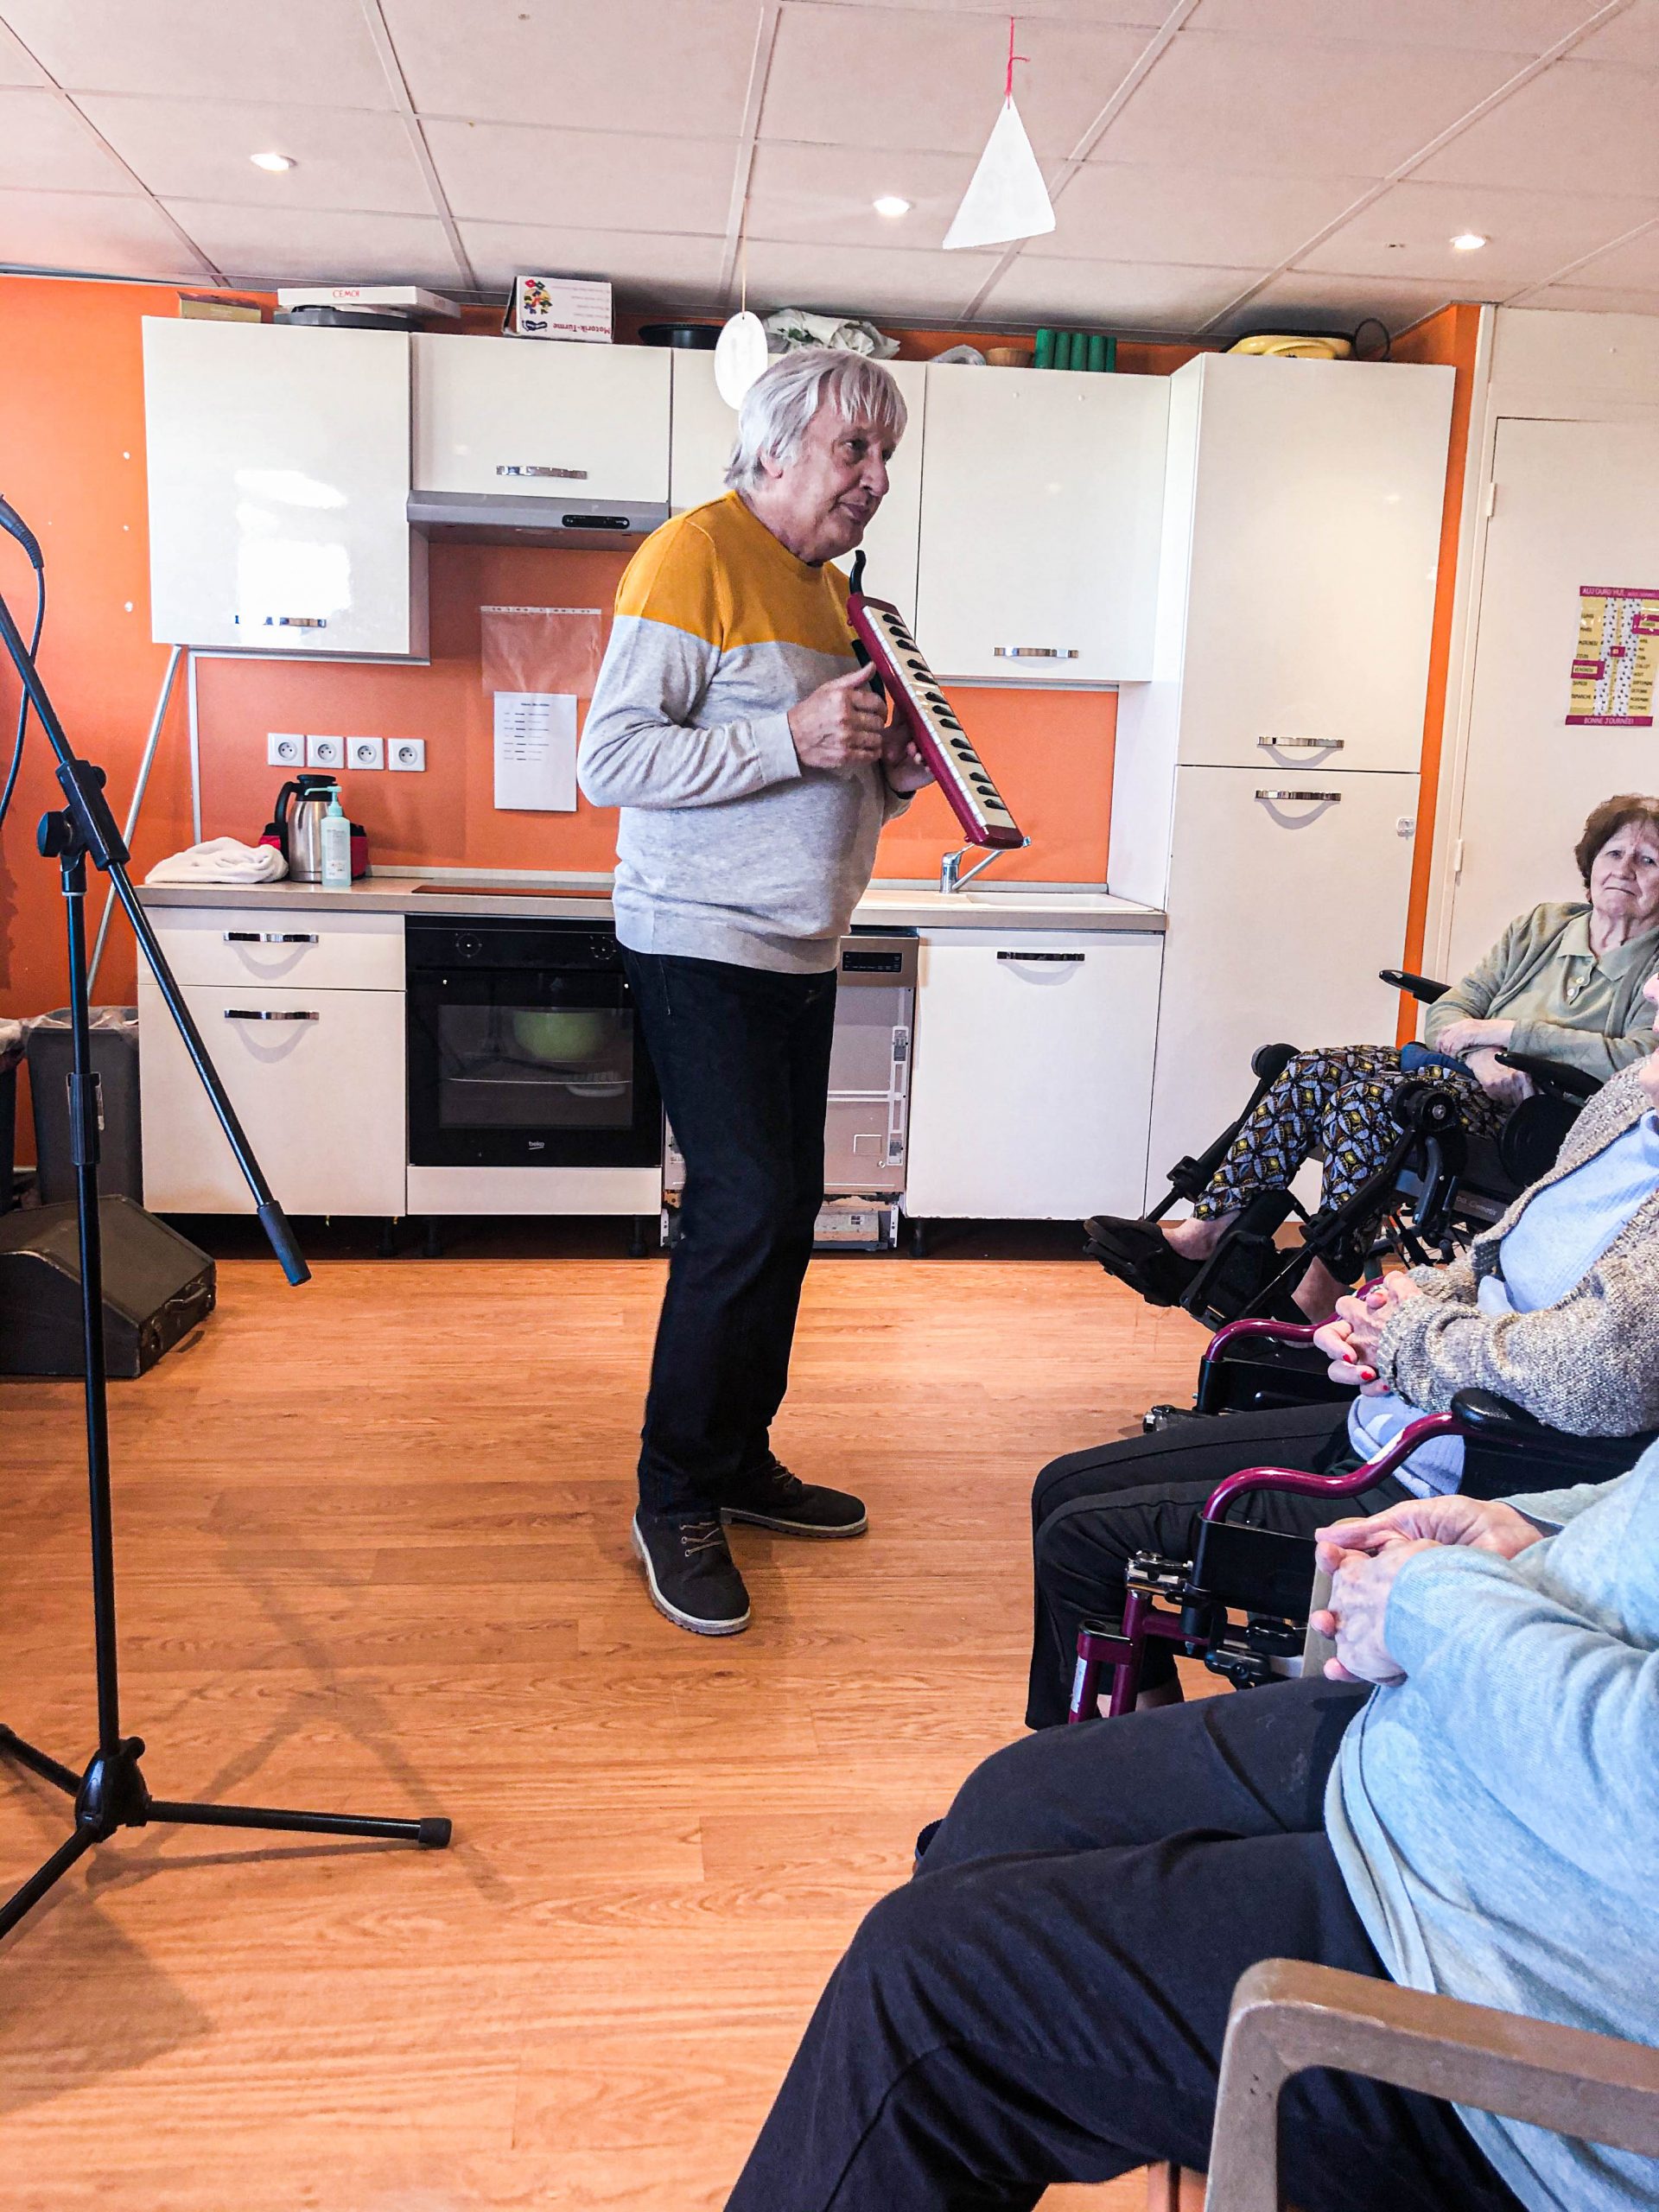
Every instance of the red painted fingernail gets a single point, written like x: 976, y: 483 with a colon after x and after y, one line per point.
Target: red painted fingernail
x: 1367, y: 1375
x: 1349, y: 1354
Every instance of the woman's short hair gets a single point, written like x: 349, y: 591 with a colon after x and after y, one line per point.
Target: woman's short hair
x: 1613, y: 814
x: 786, y: 394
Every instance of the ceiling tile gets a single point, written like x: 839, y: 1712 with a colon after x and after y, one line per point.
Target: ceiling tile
x: 1633, y: 37
x: 1635, y: 265
x: 1133, y: 296
x: 1313, y: 300
x: 1302, y: 108
x: 44, y: 142
x: 1530, y: 235
x: 1592, y: 299
x: 892, y: 284
x: 207, y: 49
x: 1577, y: 126
x: 94, y: 236
x: 199, y: 149
x: 650, y: 266
x: 594, y: 179
x: 1147, y: 14
x: 1529, y: 27
x: 319, y: 246
x: 1119, y: 211
x: 827, y: 194
x: 883, y: 77
x: 15, y: 66
x: 630, y: 65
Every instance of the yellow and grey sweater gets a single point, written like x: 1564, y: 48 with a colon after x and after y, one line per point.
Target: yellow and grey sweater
x: 729, y: 848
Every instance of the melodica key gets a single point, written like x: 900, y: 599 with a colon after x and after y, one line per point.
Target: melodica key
x: 881, y: 635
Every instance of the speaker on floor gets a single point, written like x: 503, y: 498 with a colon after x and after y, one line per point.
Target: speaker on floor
x: 157, y: 1285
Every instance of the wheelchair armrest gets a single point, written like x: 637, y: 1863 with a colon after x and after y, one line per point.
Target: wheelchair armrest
x: 1492, y: 1423
x: 1424, y: 988
x: 1553, y: 1076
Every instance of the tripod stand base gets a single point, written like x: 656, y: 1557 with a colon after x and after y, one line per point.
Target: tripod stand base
x: 112, y: 1794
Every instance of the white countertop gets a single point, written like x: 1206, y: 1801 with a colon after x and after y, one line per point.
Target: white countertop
x: 587, y: 898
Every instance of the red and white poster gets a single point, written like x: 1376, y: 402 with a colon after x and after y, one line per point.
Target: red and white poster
x: 1614, y: 661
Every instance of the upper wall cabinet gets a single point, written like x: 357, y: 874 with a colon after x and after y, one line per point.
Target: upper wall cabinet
x: 524, y: 418
x: 704, y: 427
x: 278, y: 466
x: 1041, y: 497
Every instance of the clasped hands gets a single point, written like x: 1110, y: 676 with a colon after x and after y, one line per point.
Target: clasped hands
x: 1349, y: 1341
x: 1364, y: 1557
x: 844, y: 725
x: 1477, y: 1044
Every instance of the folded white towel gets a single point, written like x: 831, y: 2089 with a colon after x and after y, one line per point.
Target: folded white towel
x: 221, y: 859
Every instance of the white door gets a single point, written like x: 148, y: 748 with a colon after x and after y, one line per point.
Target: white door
x: 279, y: 471
x: 317, y: 1077
x: 1032, y: 1074
x: 704, y: 427
x: 1041, y: 497
x: 1316, y: 537
x: 1286, y: 894
x: 534, y: 418
x: 1576, y: 504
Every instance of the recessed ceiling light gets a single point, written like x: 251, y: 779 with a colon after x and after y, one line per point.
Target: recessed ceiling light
x: 1468, y: 242
x: 891, y: 204
x: 275, y: 162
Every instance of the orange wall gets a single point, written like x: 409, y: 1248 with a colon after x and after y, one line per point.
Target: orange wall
x: 1448, y: 338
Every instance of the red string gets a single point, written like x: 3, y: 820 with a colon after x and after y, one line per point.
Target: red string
x: 1007, y: 89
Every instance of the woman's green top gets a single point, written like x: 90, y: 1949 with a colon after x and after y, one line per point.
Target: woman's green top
x: 1566, y: 1002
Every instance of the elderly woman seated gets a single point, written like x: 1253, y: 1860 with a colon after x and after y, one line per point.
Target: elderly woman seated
x: 1044, y: 2002
x: 1556, y: 1307
x: 1563, y: 984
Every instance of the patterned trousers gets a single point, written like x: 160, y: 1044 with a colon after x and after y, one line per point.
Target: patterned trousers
x: 1330, y: 1106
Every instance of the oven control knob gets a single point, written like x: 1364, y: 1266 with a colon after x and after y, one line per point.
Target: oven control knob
x: 469, y: 947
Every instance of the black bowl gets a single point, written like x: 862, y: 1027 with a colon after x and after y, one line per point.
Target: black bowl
x: 694, y: 337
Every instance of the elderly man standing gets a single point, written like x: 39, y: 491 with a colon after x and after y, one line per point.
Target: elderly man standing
x: 749, y: 753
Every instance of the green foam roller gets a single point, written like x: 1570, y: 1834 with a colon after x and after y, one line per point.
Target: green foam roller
x: 1097, y: 352
x: 1045, y: 355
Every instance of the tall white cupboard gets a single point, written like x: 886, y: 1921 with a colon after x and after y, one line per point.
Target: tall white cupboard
x: 1265, y: 792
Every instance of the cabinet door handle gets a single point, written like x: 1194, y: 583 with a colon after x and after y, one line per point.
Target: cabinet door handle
x: 291, y: 621
x: 270, y: 936
x: 265, y: 1014
x: 1311, y: 744
x: 1034, y: 652
x: 1062, y: 959
x: 533, y: 469
x: 1325, y: 798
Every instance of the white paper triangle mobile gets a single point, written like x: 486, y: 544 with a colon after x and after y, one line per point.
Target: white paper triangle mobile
x: 1007, y: 198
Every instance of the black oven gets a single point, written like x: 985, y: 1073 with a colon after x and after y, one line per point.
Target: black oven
x: 523, y: 1049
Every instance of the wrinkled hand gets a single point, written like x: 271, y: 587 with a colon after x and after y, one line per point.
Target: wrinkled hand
x: 1503, y: 1086
x: 1469, y: 1035
x: 1364, y: 1557
x: 1348, y: 1366
x: 902, y: 764
x: 1350, y: 1342
x: 1482, y: 1524
x: 841, y: 725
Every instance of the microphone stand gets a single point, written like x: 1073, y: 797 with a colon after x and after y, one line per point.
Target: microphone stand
x: 111, y: 1792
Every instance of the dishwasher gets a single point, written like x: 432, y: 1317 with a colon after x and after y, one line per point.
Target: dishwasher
x: 868, y: 1120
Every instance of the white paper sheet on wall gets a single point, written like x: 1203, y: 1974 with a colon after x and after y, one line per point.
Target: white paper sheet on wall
x: 536, y: 752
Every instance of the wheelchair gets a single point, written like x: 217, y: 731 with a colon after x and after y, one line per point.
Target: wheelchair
x: 1437, y: 1186
x: 1267, y: 1578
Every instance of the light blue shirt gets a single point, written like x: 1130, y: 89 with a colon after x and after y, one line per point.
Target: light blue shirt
x: 1550, y: 1251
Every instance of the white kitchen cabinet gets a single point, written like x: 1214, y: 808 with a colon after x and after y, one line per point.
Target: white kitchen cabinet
x: 1033, y: 1074
x: 309, y: 947
x: 704, y: 428
x: 278, y: 475
x: 523, y: 418
x: 317, y: 1077
x: 1041, y: 496
x: 1286, y: 894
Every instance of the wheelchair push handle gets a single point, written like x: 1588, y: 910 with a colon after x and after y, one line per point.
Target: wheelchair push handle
x: 1424, y: 988
x: 1422, y: 1431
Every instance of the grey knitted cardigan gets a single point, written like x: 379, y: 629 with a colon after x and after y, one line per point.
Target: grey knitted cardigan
x: 1590, y: 1362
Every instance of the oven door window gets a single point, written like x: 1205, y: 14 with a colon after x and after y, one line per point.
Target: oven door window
x: 529, y: 1069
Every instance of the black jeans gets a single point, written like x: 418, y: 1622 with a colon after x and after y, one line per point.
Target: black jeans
x: 1092, y: 1511
x: 742, y: 1055
x: 1047, y: 2000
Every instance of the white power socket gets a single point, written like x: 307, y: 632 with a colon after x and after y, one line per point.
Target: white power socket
x: 325, y: 752
x: 366, y: 752
x: 408, y: 753
x: 284, y: 748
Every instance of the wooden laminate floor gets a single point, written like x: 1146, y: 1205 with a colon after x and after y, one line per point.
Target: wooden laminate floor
x: 373, y: 1538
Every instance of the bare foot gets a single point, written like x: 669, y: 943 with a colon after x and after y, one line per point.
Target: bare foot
x: 1317, y: 1294
x: 1194, y: 1239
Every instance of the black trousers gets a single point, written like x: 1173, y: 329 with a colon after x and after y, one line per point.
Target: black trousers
x: 1047, y: 2000
x: 1092, y: 1511
x: 742, y: 1055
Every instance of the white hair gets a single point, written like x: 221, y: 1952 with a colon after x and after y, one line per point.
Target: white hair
x: 784, y: 398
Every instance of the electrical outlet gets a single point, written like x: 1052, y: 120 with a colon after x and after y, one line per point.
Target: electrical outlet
x: 406, y: 752
x: 284, y: 748
x: 366, y: 752
x: 325, y: 752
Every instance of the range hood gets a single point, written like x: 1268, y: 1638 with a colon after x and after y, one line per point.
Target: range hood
x: 489, y: 518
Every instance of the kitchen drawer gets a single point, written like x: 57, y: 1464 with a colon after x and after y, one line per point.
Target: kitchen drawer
x: 320, y: 950
x: 316, y: 1079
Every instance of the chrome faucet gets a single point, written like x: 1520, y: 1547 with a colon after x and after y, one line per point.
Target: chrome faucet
x: 950, y: 875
